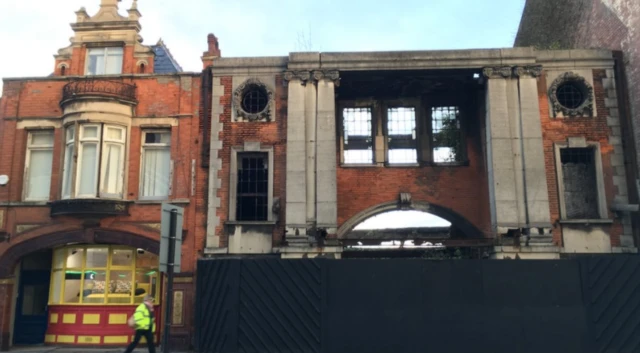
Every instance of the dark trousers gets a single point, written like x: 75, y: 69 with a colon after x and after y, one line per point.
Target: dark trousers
x: 148, y: 334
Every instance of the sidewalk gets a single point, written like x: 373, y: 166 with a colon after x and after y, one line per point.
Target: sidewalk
x: 43, y: 349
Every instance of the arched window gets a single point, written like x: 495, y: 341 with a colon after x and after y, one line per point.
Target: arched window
x: 141, y: 68
x: 63, y: 70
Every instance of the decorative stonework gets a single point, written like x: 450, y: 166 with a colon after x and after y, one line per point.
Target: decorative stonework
x: 585, y: 109
x: 21, y: 228
x: 405, y: 200
x: 522, y: 71
x: 497, y: 72
x: 305, y: 76
x: 154, y: 226
x: 238, y: 96
x: 1, y: 219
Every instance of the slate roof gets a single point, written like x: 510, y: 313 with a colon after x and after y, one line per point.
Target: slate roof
x: 164, y: 62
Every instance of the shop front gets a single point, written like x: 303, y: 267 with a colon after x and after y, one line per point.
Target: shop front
x: 94, y: 289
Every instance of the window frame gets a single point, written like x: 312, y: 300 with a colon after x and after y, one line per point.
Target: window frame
x: 602, y: 197
x: 155, y: 146
x: 105, y: 50
x: 384, y: 115
x: 233, y: 180
x: 29, y: 149
x: 76, y: 163
x: 355, y: 104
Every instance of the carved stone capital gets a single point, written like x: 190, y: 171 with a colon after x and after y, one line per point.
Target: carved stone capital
x: 303, y: 76
x: 331, y: 75
x: 497, y: 72
x: 532, y: 70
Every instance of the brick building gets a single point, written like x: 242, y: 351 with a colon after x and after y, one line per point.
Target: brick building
x: 598, y: 24
x: 518, y: 148
x: 86, y: 157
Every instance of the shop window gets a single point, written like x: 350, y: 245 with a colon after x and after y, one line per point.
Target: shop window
x: 358, y: 137
x: 401, y: 129
x: 100, y: 162
x: 104, y: 61
x: 38, y: 165
x: 103, y: 275
x: 156, y: 165
x: 447, y: 136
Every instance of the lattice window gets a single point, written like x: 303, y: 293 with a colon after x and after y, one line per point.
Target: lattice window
x: 447, y: 134
x: 570, y: 95
x: 401, y: 127
x: 255, y: 100
x: 252, y: 193
x: 579, y: 180
x: 358, y: 138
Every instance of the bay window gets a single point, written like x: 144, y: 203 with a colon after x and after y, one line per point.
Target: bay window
x: 98, y: 169
x: 155, y: 173
x: 38, y: 165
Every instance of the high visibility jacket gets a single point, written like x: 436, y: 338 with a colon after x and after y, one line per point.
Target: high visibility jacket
x: 143, y: 319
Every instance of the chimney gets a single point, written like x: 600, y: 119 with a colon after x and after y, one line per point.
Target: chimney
x: 213, y: 51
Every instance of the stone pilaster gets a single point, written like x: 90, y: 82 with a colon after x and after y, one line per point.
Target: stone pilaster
x: 215, y: 165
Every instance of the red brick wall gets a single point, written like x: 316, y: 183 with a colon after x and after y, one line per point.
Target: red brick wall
x: 269, y: 134
x: 160, y: 96
x: 592, y: 129
x: 462, y: 189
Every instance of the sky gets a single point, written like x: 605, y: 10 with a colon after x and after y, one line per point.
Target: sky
x: 32, y: 31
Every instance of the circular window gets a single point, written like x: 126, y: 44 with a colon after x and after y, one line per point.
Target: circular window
x: 254, y: 100
x: 571, y: 94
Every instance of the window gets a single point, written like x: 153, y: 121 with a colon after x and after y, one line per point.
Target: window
x: 446, y: 134
x: 103, y: 274
x: 104, y: 61
x: 38, y: 165
x: 401, y: 127
x: 358, y: 137
x: 99, y: 167
x: 156, y: 164
x: 252, y: 203
x: 255, y: 100
x: 581, y: 191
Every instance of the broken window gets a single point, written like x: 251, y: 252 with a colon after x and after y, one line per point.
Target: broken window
x: 580, y: 183
x: 358, y: 140
x: 401, y: 127
x: 447, y: 134
x: 252, y: 193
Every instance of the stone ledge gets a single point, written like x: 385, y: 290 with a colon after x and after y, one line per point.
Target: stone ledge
x: 624, y: 250
x: 216, y: 251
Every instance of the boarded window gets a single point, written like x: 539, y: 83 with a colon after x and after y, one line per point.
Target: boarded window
x: 253, y: 187
x: 580, y: 183
x: 401, y: 126
x: 447, y: 134
x: 358, y: 140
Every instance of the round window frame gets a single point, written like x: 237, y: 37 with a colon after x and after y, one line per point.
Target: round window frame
x: 585, y: 108
x: 238, y: 97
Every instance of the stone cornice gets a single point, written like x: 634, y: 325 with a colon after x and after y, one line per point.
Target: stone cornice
x: 512, y: 71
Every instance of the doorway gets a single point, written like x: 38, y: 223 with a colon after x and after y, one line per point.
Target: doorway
x: 30, y: 324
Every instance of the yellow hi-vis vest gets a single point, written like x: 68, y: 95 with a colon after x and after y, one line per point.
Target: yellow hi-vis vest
x: 142, y: 317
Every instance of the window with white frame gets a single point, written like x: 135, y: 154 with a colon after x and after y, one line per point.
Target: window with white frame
x: 104, y: 61
x: 580, y: 182
x: 98, y: 170
x: 155, y: 175
x: 401, y: 130
x: 358, y: 137
x: 38, y: 165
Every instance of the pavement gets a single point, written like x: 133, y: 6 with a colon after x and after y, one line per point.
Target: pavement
x: 44, y: 349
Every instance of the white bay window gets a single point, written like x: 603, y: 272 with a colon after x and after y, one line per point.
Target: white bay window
x: 155, y: 183
x: 98, y: 169
x: 38, y: 165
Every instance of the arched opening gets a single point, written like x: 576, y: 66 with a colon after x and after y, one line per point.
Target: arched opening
x: 141, y: 68
x: 63, y: 70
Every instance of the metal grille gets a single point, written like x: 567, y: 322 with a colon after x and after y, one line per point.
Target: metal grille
x: 253, y: 187
x: 254, y: 100
x: 358, y: 142
x: 580, y: 183
x: 401, y: 125
x: 447, y: 137
x: 570, y: 95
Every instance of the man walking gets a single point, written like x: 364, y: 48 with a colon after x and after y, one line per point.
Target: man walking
x: 144, y: 324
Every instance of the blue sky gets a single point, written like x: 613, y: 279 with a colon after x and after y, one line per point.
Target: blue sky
x: 31, y: 31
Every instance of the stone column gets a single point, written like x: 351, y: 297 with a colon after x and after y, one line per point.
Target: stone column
x: 506, y: 206
x: 535, y: 176
x: 296, y: 184
x: 6, y: 305
x: 326, y: 152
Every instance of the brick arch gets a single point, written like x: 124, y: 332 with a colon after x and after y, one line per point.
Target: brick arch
x: 14, y: 253
x: 461, y: 223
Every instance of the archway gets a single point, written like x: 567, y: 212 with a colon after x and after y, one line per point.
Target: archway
x: 462, y: 226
